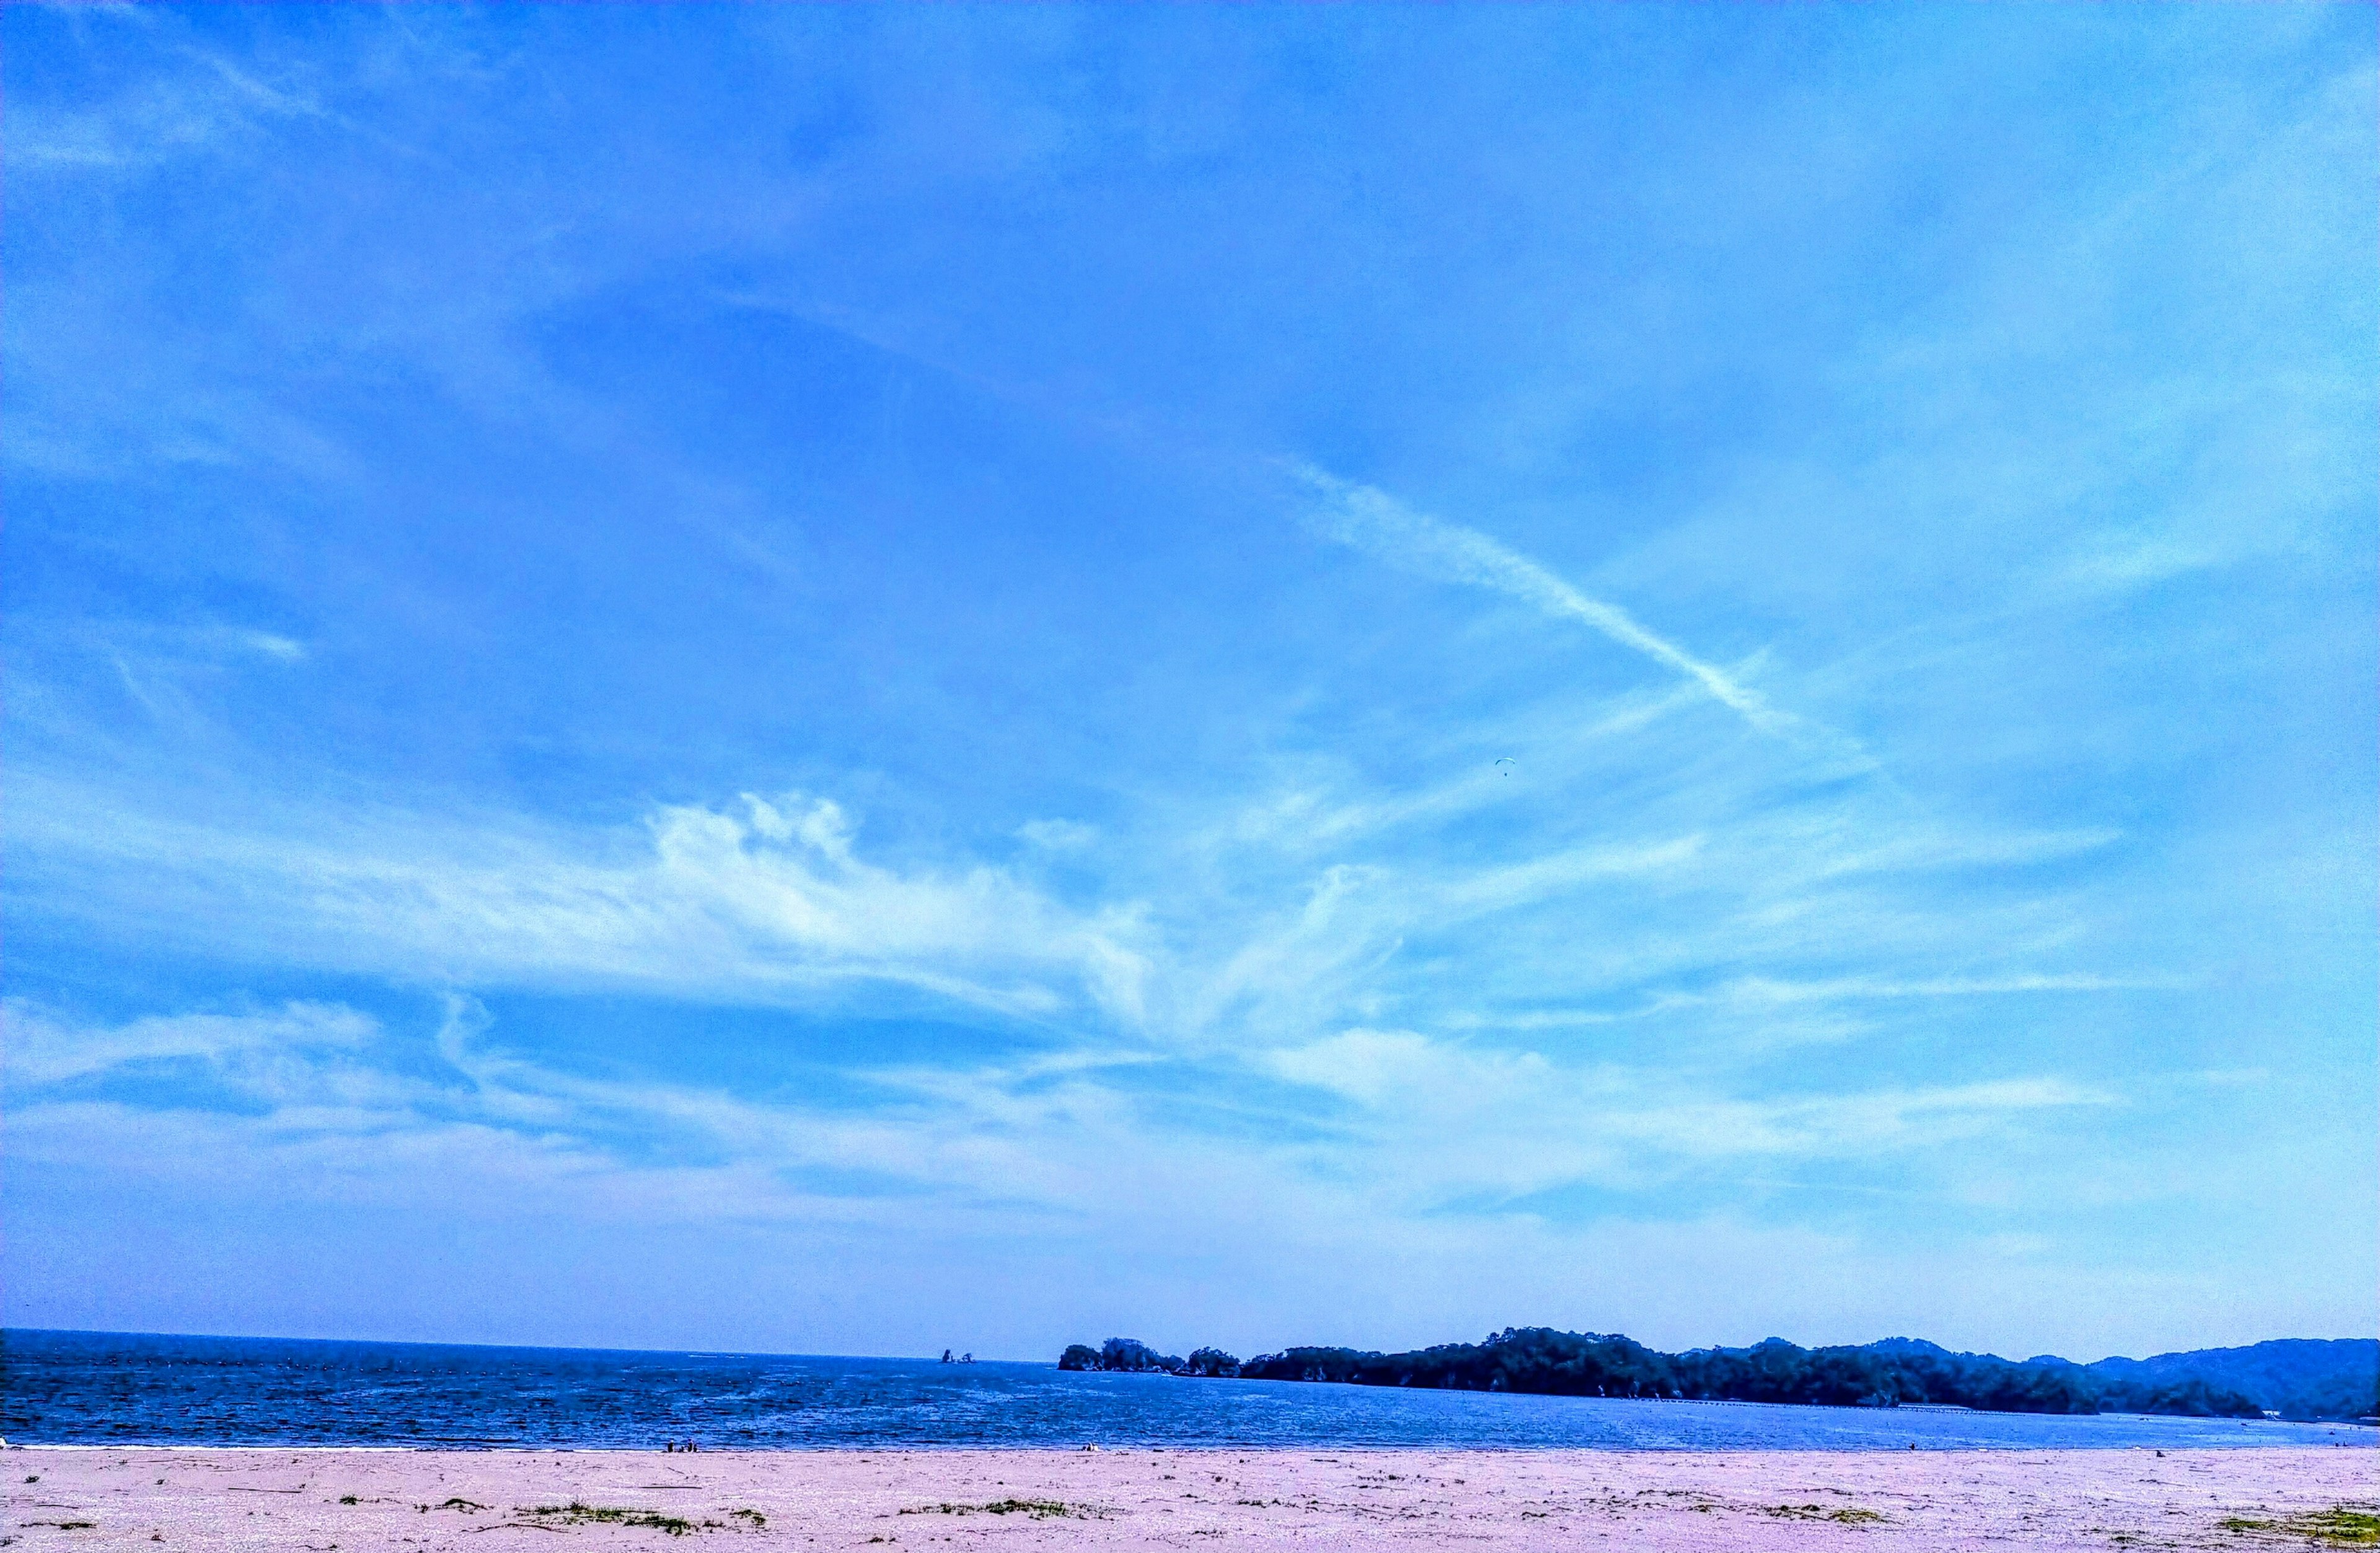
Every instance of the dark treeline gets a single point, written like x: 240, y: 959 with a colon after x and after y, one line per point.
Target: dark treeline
x: 1897, y: 1372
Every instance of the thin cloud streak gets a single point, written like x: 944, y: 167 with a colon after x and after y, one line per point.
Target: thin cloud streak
x: 1372, y: 521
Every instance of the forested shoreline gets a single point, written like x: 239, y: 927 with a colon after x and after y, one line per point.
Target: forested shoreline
x: 2331, y: 1380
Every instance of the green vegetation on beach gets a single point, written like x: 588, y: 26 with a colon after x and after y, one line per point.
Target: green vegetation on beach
x: 2340, y: 1526
x: 1037, y: 1509
x: 578, y: 1514
x: 1849, y: 1515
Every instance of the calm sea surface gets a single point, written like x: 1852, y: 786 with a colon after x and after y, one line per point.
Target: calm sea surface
x: 93, y: 1388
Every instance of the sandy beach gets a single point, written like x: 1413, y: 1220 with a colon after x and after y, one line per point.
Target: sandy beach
x: 486, y: 1501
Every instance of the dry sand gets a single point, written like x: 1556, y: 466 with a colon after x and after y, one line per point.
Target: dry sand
x: 949, y: 1500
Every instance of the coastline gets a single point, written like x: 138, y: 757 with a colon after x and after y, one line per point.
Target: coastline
x: 396, y: 1499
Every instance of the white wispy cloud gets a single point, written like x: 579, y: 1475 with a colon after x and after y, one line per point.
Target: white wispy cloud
x: 1439, y: 1119
x: 1760, y: 990
x: 1384, y: 1146
x: 1057, y: 835
x: 766, y: 900
x: 1518, y: 884
x: 1246, y: 923
x: 43, y: 1048
x: 270, y: 644
x: 1434, y: 1120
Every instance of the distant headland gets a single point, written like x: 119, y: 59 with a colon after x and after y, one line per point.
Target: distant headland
x: 2305, y: 1379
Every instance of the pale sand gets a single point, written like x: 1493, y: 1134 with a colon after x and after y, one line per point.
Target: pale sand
x: 282, y: 1499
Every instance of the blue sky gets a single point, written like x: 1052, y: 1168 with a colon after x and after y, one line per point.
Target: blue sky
x: 849, y: 680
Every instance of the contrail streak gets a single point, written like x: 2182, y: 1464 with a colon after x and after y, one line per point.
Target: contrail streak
x: 1378, y: 523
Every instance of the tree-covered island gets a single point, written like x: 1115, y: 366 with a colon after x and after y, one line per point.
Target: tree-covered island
x: 2300, y: 1379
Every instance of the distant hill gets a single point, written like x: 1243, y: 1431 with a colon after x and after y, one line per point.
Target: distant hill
x: 2299, y: 1379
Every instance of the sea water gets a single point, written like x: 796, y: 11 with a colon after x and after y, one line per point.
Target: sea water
x: 106, y: 1389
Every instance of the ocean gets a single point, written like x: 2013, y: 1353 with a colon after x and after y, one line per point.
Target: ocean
x: 118, y: 1389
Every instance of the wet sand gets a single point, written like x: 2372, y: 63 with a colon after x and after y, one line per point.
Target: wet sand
x: 949, y: 1500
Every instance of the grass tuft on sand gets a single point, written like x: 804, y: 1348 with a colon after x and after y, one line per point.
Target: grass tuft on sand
x: 1849, y: 1515
x: 2345, y: 1526
x: 1040, y: 1509
x: 554, y: 1516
